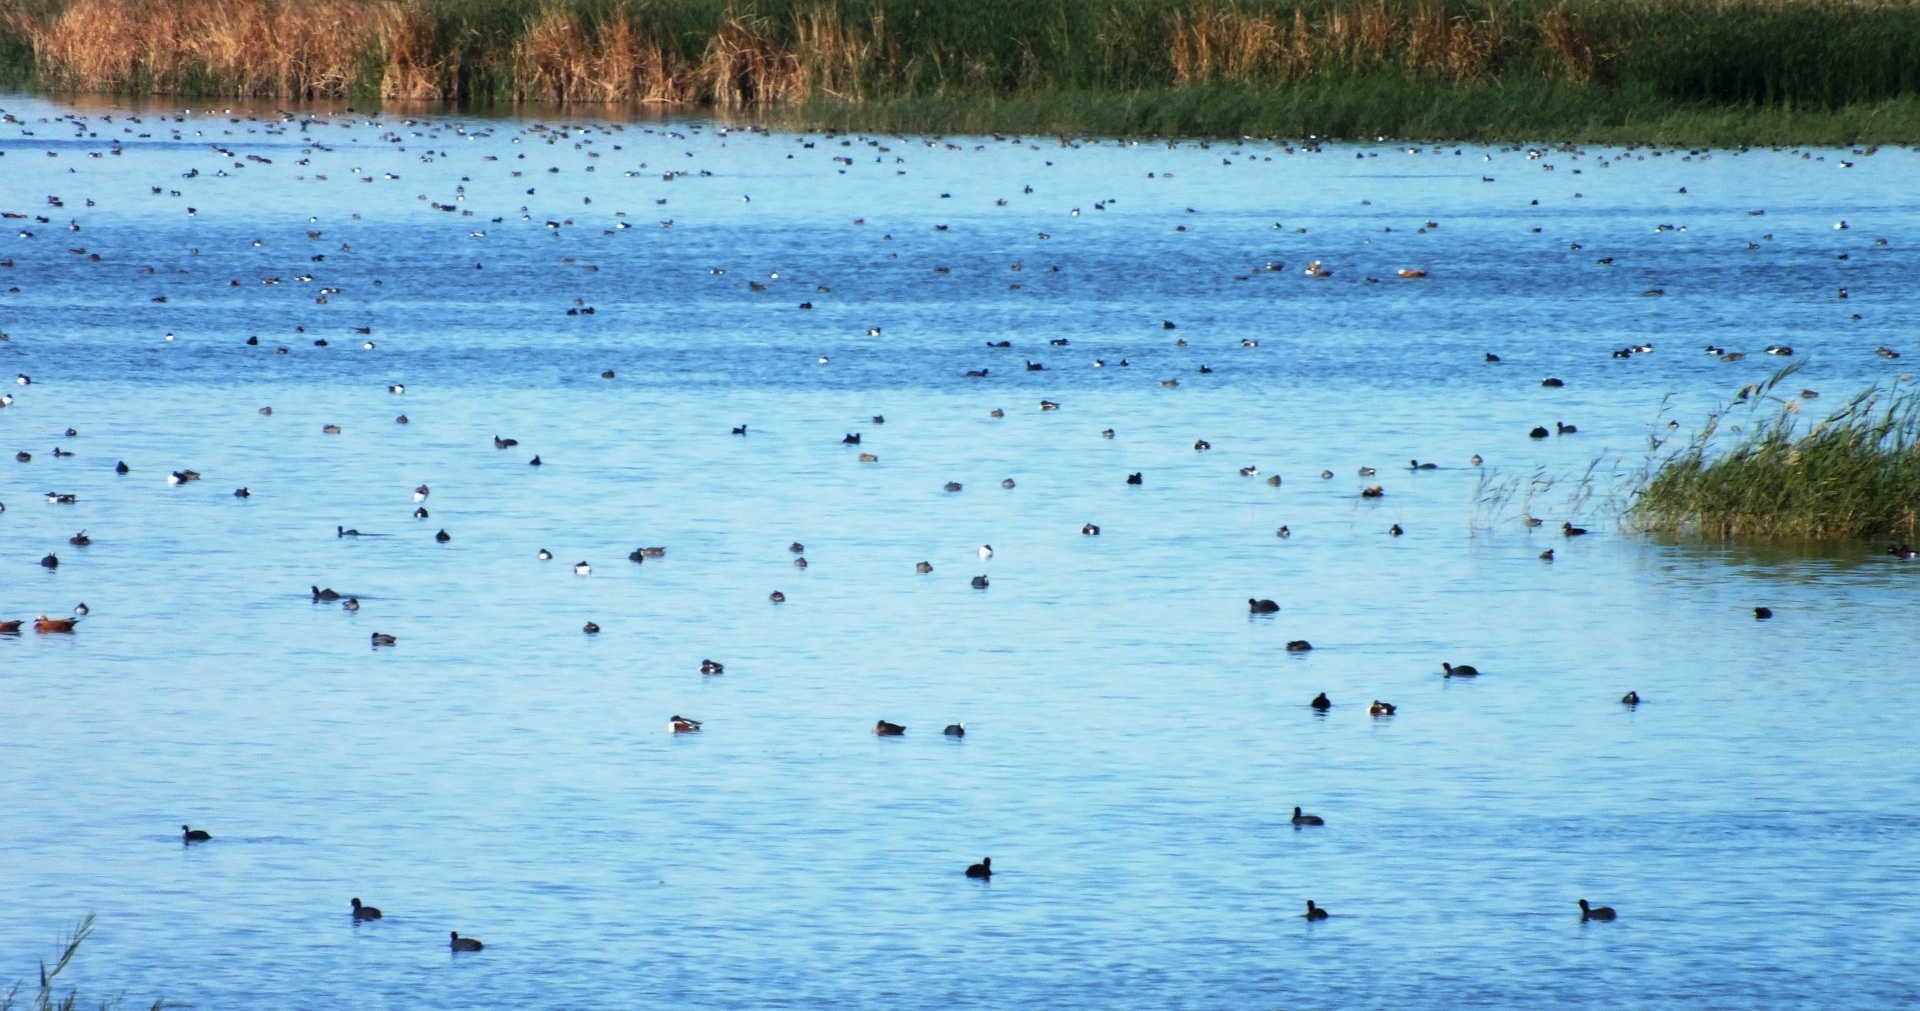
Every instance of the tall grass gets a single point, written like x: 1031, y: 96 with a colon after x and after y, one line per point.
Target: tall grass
x: 47, y: 997
x: 1855, y: 474
x: 1608, y: 63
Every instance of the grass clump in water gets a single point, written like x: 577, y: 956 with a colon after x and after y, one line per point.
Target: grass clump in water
x: 47, y: 997
x: 1854, y: 475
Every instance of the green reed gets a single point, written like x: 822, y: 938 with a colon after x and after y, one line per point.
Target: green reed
x: 1853, y: 475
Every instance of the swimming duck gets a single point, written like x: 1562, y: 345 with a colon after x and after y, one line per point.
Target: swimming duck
x: 712, y: 667
x: 364, y: 912
x: 682, y: 725
x: 351, y: 604
x: 581, y: 568
x: 46, y: 625
x: 1248, y: 342
x: 884, y: 729
x: 590, y: 628
x: 1321, y: 702
x: 977, y: 373
x: 985, y: 552
x: 1315, y: 913
x: 955, y: 730
x: 1307, y: 819
x: 11, y: 627
x: 1106, y: 433
x: 979, y: 582
x: 1373, y: 492
x: 499, y: 443
x: 739, y: 429
x: 1090, y: 530
x: 1262, y: 606
x: 1135, y: 478
x: 1201, y: 445
x: 120, y: 468
x: 80, y: 540
x: 1048, y: 405
x: 1572, y: 531
x: 1901, y: 551
x: 535, y: 462
x: 420, y: 494
x: 869, y: 458
x: 1249, y: 471
x: 1299, y: 646
x: 326, y: 594
x: 52, y: 561
x: 923, y: 567
x: 383, y: 639
x: 1490, y: 356
x: 851, y: 439
x: 1595, y: 912
x: 1561, y: 429
x: 1033, y: 366
x: 545, y: 555
x: 464, y: 943
x: 952, y: 486
x: 1395, y: 531
x: 1380, y: 708
x: 1762, y: 613
x: 397, y: 388
x: 1465, y: 670
x: 443, y: 537
x: 777, y: 597
x: 420, y: 513
x: 800, y: 563
x: 1551, y: 381
x: 1008, y: 483
x: 983, y: 869
x: 1410, y: 272
x: 654, y: 552
x: 243, y: 493
x: 1780, y: 349
x: 1547, y: 555
x: 193, y: 835
x: 1283, y: 531
x: 1630, y: 699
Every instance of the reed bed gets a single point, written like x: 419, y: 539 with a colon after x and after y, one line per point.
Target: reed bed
x: 46, y: 997
x: 1854, y: 475
x: 1202, y: 65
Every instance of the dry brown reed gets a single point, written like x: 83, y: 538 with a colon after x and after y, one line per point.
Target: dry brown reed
x: 1224, y: 45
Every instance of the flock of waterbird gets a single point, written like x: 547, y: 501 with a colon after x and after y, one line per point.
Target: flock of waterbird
x: 306, y: 130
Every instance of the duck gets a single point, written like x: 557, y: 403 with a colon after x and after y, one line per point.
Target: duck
x: 1307, y: 819
x: 1321, y: 702
x: 800, y: 563
x: 420, y: 494
x: 981, y: 870
x: 851, y: 439
x: 654, y: 552
x: 977, y: 373
x: 739, y: 429
x: 194, y: 835
x: 923, y: 567
x: 535, y: 462
x: 1762, y: 613
x: 581, y: 568
x: 1136, y: 478
x: 979, y: 582
x: 121, y: 467
x: 1538, y: 432
x: 545, y: 555
x: 1315, y: 913
x: 952, y: 486
x: 1049, y: 405
x: 797, y: 548
x: 1283, y: 531
x: 1547, y: 555
x: 1410, y: 272
x: 869, y: 458
x: 1374, y: 491
x: 44, y: 624
x: 1630, y: 699
x: 712, y: 667
x: 1491, y: 357
x: 350, y: 604
x: 1033, y: 366
x: 955, y: 730
x: 243, y: 493
x: 1588, y: 912
x: 1572, y: 531
x: 328, y: 594
x: 464, y: 943
x: 590, y: 628
x: 499, y: 443
x: 1262, y: 606
x: 420, y: 513
x: 1106, y: 433
x: 682, y: 725
x: 1465, y: 670
x: 364, y: 912
x: 1417, y: 465
x: 1395, y: 531
x: 985, y: 552
x: 397, y: 388
x: 11, y: 627
x: 884, y: 729
x: 1903, y: 552
x: 1380, y: 708
x: 443, y: 537
x: 1090, y: 530
x: 383, y: 639
x: 1201, y: 445
x: 1564, y: 429
x: 777, y: 597
x: 80, y: 540
x: 1553, y: 382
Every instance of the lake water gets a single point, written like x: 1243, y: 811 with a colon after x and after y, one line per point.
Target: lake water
x: 1136, y: 741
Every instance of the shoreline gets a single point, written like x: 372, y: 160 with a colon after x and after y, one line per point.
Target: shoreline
x: 1747, y: 72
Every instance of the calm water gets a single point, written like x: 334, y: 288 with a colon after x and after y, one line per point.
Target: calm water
x: 1135, y: 740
